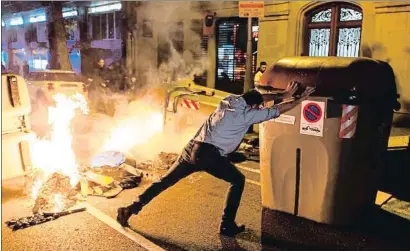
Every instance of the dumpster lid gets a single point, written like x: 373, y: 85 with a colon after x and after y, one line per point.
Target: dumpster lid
x: 333, y: 76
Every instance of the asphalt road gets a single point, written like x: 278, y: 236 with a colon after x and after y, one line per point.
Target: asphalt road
x: 76, y: 232
x: 186, y: 217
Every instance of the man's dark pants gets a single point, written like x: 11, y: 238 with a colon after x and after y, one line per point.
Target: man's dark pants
x: 198, y: 156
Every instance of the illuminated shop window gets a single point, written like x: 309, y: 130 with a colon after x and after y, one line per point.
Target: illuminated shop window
x: 231, y: 44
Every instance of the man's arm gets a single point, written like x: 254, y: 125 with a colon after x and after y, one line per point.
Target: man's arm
x: 287, y: 106
x: 254, y: 116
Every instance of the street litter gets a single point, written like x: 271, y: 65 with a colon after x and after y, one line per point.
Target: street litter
x: 36, y: 219
x: 108, y: 181
x: 56, y: 194
x: 155, y: 169
x: 250, y: 148
x: 112, y: 173
x: 108, y: 158
x: 100, y: 185
x: 254, y: 142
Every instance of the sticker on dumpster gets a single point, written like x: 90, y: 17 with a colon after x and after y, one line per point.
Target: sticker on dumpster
x: 348, y: 121
x: 191, y: 104
x: 285, y: 119
x: 312, y: 119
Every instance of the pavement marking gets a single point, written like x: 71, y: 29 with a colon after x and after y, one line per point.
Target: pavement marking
x: 253, y: 182
x: 248, y: 169
x: 137, y: 238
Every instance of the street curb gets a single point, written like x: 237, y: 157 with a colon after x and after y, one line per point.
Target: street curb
x: 139, y: 239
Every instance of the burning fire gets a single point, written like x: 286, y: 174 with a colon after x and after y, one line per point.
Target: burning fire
x: 36, y: 188
x: 135, y: 128
x: 59, y: 205
x: 136, y: 124
x: 56, y: 155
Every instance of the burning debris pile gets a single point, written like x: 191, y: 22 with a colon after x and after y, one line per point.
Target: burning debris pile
x: 57, y: 197
x: 61, y: 184
x: 56, y: 173
x: 154, y: 169
x: 57, y: 194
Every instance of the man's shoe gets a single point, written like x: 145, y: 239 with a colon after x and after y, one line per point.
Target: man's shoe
x: 124, y: 214
x: 231, y: 229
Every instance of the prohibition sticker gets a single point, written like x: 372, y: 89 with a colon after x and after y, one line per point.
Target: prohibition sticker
x: 312, y: 119
x: 312, y: 112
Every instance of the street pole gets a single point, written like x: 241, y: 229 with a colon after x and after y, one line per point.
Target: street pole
x: 248, y: 70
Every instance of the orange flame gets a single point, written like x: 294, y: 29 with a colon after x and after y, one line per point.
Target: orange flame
x: 56, y: 155
x: 58, y: 202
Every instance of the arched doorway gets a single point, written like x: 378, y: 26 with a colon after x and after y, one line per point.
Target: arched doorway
x: 333, y: 29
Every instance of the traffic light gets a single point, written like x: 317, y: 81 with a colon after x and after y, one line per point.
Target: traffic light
x: 209, y: 21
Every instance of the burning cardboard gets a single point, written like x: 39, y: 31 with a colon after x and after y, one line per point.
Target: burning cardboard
x: 110, y: 179
x: 56, y: 194
x: 125, y: 176
x: 102, y: 180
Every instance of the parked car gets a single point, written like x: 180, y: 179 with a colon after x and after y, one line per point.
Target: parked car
x: 16, y: 133
x: 44, y: 84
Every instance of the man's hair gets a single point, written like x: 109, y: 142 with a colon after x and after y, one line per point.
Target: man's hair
x: 252, y: 97
x: 263, y: 63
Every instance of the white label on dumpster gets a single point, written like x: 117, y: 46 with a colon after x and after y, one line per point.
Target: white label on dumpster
x: 285, y: 119
x: 312, y: 118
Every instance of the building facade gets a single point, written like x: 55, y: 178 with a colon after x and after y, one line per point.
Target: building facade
x: 25, y: 35
x: 379, y: 30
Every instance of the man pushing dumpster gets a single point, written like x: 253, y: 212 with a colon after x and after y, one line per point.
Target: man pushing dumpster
x: 220, y: 135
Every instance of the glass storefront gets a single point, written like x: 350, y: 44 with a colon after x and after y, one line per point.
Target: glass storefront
x: 231, y: 53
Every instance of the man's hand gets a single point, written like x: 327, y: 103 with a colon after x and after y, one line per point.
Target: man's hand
x: 290, y: 89
x: 306, y: 94
x: 285, y: 107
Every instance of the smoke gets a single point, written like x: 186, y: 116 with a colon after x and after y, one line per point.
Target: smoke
x: 135, y: 125
x: 136, y: 129
x: 173, y: 53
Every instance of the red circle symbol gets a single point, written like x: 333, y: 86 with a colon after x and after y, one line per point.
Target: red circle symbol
x: 312, y: 112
